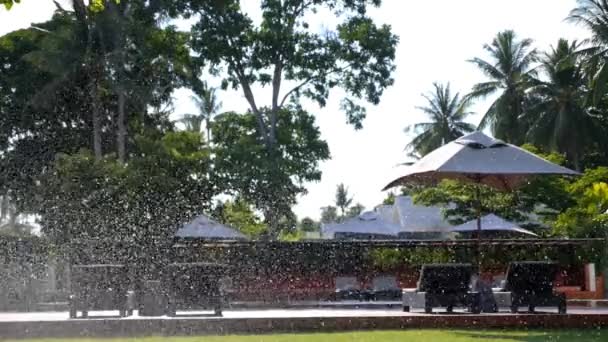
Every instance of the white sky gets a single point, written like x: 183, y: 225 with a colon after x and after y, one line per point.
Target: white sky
x: 436, y: 39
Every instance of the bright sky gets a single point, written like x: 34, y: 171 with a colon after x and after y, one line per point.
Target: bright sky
x: 436, y: 39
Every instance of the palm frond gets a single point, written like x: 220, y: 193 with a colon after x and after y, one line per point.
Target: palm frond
x: 487, y: 68
x: 489, y: 117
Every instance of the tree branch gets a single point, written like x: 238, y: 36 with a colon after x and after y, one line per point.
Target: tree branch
x: 312, y: 78
x: 276, y: 88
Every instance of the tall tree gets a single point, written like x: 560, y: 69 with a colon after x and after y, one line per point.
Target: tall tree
x: 559, y: 116
x: 593, y: 14
x: 510, y: 65
x: 295, y: 62
x: 208, y: 106
x: 67, y: 51
x: 447, y: 114
x: 167, y: 182
x: 329, y: 214
x: 355, y: 210
x: 47, y: 112
x: 293, y: 59
x: 343, y: 199
x: 244, y: 166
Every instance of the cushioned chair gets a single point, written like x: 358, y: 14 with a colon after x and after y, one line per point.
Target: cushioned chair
x: 444, y: 285
x: 530, y: 284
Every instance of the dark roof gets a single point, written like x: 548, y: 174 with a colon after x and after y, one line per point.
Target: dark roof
x: 388, y: 243
x: 205, y: 228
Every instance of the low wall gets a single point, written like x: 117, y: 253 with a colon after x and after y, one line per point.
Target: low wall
x: 221, y: 326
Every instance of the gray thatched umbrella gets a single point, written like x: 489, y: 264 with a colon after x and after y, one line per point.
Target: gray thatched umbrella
x: 480, y: 159
x: 205, y: 228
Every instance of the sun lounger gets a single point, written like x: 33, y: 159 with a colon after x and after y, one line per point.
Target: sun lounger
x: 193, y: 286
x: 530, y: 284
x: 443, y: 285
x: 100, y: 287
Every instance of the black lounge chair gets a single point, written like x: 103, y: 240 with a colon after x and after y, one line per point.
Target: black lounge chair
x: 531, y: 284
x: 100, y: 287
x: 193, y: 286
x: 448, y: 285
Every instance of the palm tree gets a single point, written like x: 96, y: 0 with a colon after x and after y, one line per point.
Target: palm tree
x: 593, y: 14
x: 447, y: 113
x: 509, y: 68
x: 560, y: 120
x: 67, y: 52
x: 343, y: 198
x: 208, y: 105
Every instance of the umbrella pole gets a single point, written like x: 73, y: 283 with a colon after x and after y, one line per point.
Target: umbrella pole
x: 478, y: 242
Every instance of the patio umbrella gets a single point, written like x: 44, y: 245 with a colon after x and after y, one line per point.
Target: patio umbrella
x: 491, y: 223
x: 480, y: 159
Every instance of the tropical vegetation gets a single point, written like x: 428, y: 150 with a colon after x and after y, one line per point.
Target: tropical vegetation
x: 447, y: 113
x: 86, y: 135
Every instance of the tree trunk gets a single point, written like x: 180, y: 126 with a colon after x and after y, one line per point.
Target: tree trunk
x: 576, y: 162
x: 208, y: 128
x: 276, y: 89
x: 272, y: 220
x: 121, y: 138
x: 96, y: 123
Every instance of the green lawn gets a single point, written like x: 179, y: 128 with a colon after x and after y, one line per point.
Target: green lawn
x: 384, y: 336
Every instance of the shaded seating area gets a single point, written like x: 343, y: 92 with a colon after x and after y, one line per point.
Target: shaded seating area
x: 100, y: 287
x: 312, y: 272
x: 443, y: 285
x: 531, y: 284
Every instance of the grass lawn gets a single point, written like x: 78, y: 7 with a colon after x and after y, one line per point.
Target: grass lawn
x: 383, y: 336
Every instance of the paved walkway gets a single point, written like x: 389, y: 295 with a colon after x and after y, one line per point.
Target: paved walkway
x: 272, y: 313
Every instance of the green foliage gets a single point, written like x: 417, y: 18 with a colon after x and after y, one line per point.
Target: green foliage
x: 309, y: 225
x: 238, y: 214
x: 508, y: 69
x: 587, y: 217
x: 296, y: 235
x: 462, y: 200
x: 166, y: 184
x: 343, y: 199
x: 557, y: 113
x: 270, y: 180
x: 98, y: 5
x: 329, y: 214
x: 390, y: 199
x: 8, y: 4
x: 388, y: 257
x: 447, y: 114
x: 356, y: 55
x: 355, y: 210
x: 208, y: 105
